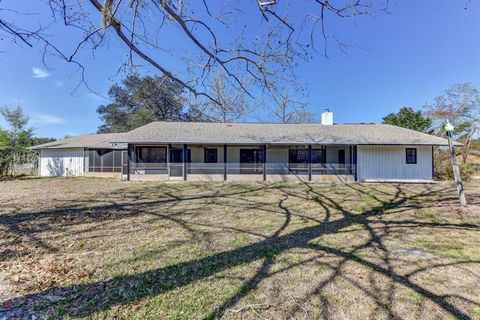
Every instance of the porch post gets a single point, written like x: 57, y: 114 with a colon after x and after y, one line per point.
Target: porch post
x: 264, y: 162
x: 355, y: 161
x: 129, y: 160
x: 351, y: 164
x: 169, y: 147
x: 309, y: 162
x: 185, y: 156
x: 224, y: 162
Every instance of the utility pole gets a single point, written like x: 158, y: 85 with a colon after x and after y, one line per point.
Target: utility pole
x: 456, y: 171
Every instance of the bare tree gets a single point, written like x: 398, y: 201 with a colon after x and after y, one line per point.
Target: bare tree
x: 232, y: 104
x: 282, y: 108
x: 460, y: 104
x: 215, y: 35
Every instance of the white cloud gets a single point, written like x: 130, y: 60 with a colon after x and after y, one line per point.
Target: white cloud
x: 40, y: 73
x: 59, y: 84
x: 44, y: 119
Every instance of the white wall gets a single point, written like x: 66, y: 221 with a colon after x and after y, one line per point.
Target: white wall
x: 388, y: 163
x: 61, y: 162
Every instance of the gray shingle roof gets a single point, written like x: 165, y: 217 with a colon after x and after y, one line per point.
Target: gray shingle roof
x: 86, y: 141
x: 251, y: 133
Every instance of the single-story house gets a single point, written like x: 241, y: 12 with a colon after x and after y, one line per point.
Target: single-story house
x: 199, y: 151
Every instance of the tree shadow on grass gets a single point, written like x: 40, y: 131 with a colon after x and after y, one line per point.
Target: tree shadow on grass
x: 85, y: 299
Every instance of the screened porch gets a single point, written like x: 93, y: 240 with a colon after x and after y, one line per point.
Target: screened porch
x: 240, y: 162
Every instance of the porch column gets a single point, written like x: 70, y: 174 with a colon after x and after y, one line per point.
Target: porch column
x: 309, y: 162
x: 264, y: 162
x: 224, y: 162
x: 351, y: 162
x: 355, y: 161
x: 185, y: 159
x: 129, y: 160
x: 169, y: 147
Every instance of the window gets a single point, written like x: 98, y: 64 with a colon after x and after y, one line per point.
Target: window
x: 151, y: 154
x: 411, y: 155
x: 211, y: 156
x: 301, y: 156
x: 298, y: 156
x: 318, y: 156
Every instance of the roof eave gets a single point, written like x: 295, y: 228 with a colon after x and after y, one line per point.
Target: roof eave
x: 283, y: 143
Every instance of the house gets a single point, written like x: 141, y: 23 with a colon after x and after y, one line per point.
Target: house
x: 199, y: 151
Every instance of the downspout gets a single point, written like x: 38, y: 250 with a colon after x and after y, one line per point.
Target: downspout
x: 84, y: 162
x: 433, y: 164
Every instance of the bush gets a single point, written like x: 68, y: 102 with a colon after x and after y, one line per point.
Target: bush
x: 443, y: 167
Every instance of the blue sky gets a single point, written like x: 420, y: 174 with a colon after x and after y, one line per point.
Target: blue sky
x: 403, y: 58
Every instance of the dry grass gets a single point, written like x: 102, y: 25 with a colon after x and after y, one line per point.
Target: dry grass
x: 107, y: 249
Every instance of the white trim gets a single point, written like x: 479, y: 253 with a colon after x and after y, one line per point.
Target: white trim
x: 396, y: 181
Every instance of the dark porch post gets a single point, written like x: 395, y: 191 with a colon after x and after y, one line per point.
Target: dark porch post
x: 355, y: 161
x: 169, y: 147
x: 224, y: 162
x: 129, y: 160
x: 185, y: 159
x: 264, y: 162
x: 351, y: 162
x: 309, y: 162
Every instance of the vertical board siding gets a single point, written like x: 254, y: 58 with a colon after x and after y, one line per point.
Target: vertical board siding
x: 389, y: 163
x: 61, y: 162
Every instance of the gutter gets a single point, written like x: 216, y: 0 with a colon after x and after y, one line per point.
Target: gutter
x: 151, y: 142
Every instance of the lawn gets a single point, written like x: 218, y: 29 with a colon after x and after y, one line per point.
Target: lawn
x: 99, y: 248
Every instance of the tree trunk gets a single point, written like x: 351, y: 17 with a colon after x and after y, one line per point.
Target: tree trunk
x: 466, y: 148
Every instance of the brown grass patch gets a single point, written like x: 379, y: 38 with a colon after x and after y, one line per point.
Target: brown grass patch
x: 101, y: 248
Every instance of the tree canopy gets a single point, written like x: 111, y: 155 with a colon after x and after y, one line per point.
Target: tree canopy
x: 460, y: 104
x: 141, y: 100
x: 406, y: 117
x: 15, y: 140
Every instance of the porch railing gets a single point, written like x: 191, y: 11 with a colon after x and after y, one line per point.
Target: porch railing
x: 243, y: 168
x: 149, y: 168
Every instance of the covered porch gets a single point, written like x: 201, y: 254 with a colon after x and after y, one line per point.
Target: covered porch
x: 253, y: 162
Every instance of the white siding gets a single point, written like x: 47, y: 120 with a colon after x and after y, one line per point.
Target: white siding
x: 61, y: 162
x: 388, y: 163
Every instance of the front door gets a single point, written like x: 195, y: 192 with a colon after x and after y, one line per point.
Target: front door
x: 176, y: 163
x: 251, y: 161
